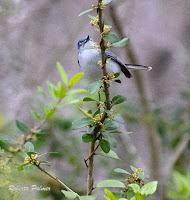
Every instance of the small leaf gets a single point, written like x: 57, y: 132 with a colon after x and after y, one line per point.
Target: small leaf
x: 111, y: 37
x: 133, y: 168
x: 149, y: 188
x: 83, y: 111
x: 86, y: 11
x: 105, y: 145
x: 80, y: 123
x: 88, y: 99
x: 91, y: 197
x: 111, y: 154
x: 93, y: 87
x: 128, y: 133
x: 29, y: 153
x: 60, y: 90
x: 36, y: 115
x: 110, y: 138
x: 121, y: 43
x: 110, y: 195
x: 111, y: 183
x: 105, y: 2
x: 30, y: 168
x: 21, y: 126
x: 117, y: 75
x: 69, y: 195
x: 91, y: 16
x: 77, y: 91
x: 135, y: 188
x: 118, y: 118
x: 87, y: 138
x: 50, y: 114
x: 119, y: 170
x: 118, y: 99
x: 63, y: 74
x: 21, y: 167
x: 111, y: 125
x: 41, y: 91
x: 52, y: 88
x: 29, y: 147
x: 75, y: 79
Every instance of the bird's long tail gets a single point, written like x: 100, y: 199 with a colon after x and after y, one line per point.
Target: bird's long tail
x: 141, y: 67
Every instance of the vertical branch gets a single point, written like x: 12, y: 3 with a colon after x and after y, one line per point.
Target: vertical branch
x: 103, y: 54
x: 90, y: 180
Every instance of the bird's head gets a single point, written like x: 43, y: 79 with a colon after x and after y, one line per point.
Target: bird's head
x: 85, y: 41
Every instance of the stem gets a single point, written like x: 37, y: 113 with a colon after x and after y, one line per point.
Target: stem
x: 56, y: 179
x: 107, y: 103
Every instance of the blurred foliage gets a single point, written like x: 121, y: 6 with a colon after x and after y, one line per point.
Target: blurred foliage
x: 179, y: 187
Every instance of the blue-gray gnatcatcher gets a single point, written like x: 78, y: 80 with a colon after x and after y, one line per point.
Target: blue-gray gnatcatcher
x: 88, y: 61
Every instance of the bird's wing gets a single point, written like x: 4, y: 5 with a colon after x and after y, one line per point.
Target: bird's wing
x: 113, y: 57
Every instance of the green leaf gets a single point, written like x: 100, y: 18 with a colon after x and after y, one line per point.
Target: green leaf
x: 69, y: 195
x: 117, y: 75
x: 52, y: 88
x: 111, y: 183
x: 91, y: 197
x: 29, y: 147
x: 111, y: 154
x: 36, y: 115
x: 118, y: 118
x: 111, y: 37
x: 77, y: 91
x: 75, y: 79
x: 121, y: 43
x: 87, y: 138
x: 105, y: 145
x: 111, y: 125
x: 50, y: 114
x: 93, y: 87
x: 21, y: 167
x: 60, y: 90
x: 105, y: 2
x: 122, y: 171
x: 29, y: 153
x: 88, y: 99
x: 63, y: 74
x: 128, y: 133
x: 135, y: 188
x: 118, y: 99
x: 41, y: 91
x: 133, y: 168
x: 149, y: 188
x: 30, y: 168
x: 80, y: 123
x: 110, y: 195
x: 91, y: 16
x: 86, y: 11
x: 21, y: 126
x: 110, y: 138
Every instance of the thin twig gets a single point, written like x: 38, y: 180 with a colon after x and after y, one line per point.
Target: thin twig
x: 56, y: 179
x: 93, y: 153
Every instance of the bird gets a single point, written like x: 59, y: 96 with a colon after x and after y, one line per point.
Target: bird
x: 88, y: 58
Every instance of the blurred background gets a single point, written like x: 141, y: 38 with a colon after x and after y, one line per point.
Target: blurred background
x: 35, y: 34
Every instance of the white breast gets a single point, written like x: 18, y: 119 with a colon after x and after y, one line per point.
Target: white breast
x: 88, y: 60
